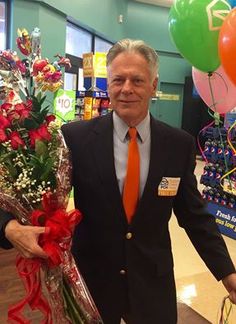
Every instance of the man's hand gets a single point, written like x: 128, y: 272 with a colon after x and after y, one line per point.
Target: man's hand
x: 25, y: 239
x: 230, y: 284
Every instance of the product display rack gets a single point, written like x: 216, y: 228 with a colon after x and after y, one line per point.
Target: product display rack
x: 220, y: 194
x: 92, y: 103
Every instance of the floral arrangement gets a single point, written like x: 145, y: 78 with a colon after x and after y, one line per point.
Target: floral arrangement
x: 35, y: 183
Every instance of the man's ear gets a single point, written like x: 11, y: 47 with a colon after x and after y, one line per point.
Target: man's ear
x: 154, y: 85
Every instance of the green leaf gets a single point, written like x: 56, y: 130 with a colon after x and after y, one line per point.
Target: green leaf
x: 30, y: 123
x: 36, y: 106
x: 11, y: 169
x: 9, y: 155
x: 47, y: 169
x: 39, y: 96
x: 41, y: 101
x: 41, y: 148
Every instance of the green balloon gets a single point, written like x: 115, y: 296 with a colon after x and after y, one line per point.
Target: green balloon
x: 194, y: 26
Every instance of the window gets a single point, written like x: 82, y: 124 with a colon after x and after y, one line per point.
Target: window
x: 78, y: 41
x: 3, y: 24
x: 101, y: 45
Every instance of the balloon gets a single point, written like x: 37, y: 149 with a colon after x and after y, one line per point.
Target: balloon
x: 194, y: 26
x: 227, y: 45
x: 222, y: 88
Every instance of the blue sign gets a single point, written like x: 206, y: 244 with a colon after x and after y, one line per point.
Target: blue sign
x: 225, y: 219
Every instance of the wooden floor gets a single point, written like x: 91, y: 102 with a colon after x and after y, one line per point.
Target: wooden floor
x: 11, y: 291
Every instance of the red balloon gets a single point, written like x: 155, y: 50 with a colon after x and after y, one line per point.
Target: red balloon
x: 227, y: 45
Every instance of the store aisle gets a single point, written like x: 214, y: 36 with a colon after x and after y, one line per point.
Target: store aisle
x: 198, y: 292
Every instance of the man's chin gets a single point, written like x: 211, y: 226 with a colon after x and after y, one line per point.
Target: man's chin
x: 127, y: 106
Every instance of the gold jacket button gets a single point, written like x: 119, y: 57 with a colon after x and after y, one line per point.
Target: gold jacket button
x: 122, y: 272
x: 129, y: 235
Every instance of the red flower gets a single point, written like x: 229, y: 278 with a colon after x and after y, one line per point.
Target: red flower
x: 44, y: 133
x: 4, y: 122
x: 19, y: 111
x: 49, y: 119
x: 23, y: 110
x: 6, y: 106
x: 3, y: 136
x: 53, y: 76
x: 13, y: 115
x: 39, y: 134
x: 16, y: 140
x: 33, y: 135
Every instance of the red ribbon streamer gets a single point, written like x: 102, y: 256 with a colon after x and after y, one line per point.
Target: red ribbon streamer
x: 29, y: 271
x: 56, y: 239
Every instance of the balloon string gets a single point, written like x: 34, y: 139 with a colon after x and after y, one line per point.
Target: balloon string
x: 198, y: 140
x: 234, y: 152
x: 229, y: 137
x: 214, y: 103
x: 217, y: 122
x: 225, y: 311
x: 226, y: 86
x: 211, y: 91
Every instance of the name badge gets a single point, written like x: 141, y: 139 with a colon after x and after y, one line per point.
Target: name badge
x: 168, y: 186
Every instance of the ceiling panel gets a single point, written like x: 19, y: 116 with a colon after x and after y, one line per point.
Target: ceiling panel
x: 163, y: 3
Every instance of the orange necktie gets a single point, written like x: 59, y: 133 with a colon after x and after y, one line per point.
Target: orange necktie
x: 131, y: 185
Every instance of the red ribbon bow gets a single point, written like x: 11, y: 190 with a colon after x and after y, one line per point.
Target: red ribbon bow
x: 56, y: 239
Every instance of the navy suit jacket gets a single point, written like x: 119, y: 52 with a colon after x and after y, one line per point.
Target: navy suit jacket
x: 101, y: 246
x: 134, y: 273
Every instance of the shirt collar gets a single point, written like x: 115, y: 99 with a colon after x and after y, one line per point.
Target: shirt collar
x: 121, y: 128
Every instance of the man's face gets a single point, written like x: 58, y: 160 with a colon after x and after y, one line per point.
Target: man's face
x: 130, y: 87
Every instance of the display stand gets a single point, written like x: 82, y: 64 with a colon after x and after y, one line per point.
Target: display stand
x: 220, y: 160
x: 94, y: 101
x: 92, y: 104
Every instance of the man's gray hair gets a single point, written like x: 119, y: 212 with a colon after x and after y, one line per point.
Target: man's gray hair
x: 137, y: 46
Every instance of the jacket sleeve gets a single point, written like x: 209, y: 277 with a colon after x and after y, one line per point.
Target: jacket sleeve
x: 200, y: 226
x: 4, y: 219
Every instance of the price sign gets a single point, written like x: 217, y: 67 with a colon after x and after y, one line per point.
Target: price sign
x: 94, y: 65
x: 88, y: 65
x: 100, y: 70
x: 64, y: 104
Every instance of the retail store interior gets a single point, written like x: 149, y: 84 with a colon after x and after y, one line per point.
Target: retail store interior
x: 82, y: 32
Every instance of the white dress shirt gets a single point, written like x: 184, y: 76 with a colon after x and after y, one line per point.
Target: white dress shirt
x: 121, y: 143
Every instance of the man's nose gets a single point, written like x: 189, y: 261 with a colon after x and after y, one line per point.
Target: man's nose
x: 127, y: 87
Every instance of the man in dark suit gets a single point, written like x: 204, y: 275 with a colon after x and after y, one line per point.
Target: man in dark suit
x: 123, y: 245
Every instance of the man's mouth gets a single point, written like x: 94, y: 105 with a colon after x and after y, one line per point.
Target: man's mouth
x: 128, y: 101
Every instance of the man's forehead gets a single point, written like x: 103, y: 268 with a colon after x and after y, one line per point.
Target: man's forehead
x: 125, y: 73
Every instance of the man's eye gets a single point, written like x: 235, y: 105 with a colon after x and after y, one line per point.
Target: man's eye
x: 117, y: 80
x: 138, y: 81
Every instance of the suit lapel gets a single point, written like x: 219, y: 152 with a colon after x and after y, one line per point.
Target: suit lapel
x: 102, y: 145
x: 159, y: 155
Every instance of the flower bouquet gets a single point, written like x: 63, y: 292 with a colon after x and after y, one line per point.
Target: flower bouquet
x: 35, y: 184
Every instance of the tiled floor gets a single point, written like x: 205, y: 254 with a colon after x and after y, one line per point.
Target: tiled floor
x: 195, y: 284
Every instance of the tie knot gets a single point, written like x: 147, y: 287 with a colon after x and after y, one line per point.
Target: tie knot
x: 132, y: 133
